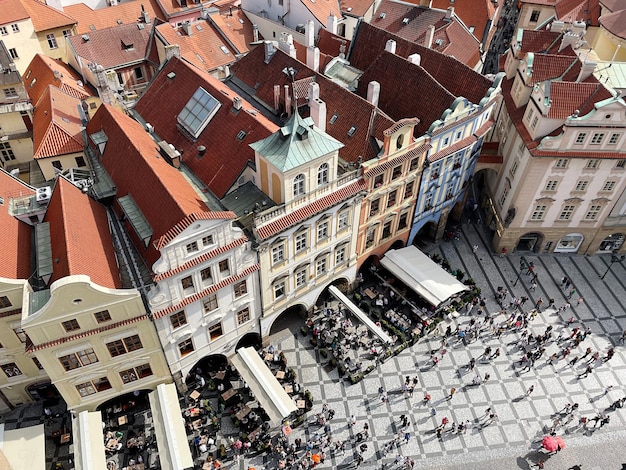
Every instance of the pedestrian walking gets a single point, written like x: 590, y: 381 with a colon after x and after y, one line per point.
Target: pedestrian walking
x: 452, y: 392
x: 571, y: 293
x: 622, y: 338
x: 580, y: 300
x: 474, y: 248
x: 563, y: 281
x: 533, y: 286
x: 530, y: 390
x: 407, y: 436
x: 538, y: 304
x: 352, y: 421
x: 582, y: 375
x: 444, y: 422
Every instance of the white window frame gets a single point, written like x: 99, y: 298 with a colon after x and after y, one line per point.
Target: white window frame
x: 301, y: 242
x: 299, y: 185
x: 551, y: 185
x: 567, y: 212
x: 322, y: 174
x: 539, y: 212
x: 279, y: 289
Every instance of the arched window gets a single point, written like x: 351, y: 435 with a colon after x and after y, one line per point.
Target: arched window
x: 298, y: 185
x: 322, y: 174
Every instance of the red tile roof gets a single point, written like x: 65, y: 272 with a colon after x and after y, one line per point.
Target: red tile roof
x: 456, y: 77
x: 331, y: 44
x: 15, y: 235
x: 113, y: 47
x: 612, y: 5
x: 351, y: 109
x: 208, y: 291
x: 45, y: 17
x: 202, y: 49
x: 43, y: 71
x: 80, y: 237
x: 132, y: 159
x: 356, y: 8
x: 322, y: 9
x: 478, y: 13
x: 127, y: 12
x: 578, y: 10
x: 57, y: 125
x: 550, y: 67
x: 235, y: 27
x: 615, y: 23
x: 570, y: 96
x: 187, y: 221
x: 303, y: 213
x: 540, y: 41
x: 225, y: 156
x: 12, y: 11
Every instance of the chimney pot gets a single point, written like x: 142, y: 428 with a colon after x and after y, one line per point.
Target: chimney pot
x: 390, y: 46
x: 373, y: 92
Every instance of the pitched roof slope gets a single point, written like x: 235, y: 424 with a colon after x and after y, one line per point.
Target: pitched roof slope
x: 115, y: 46
x: 15, y: 235
x: 349, y: 110
x: 57, y: 129
x: 322, y: 9
x: 227, y: 135
x: 45, y: 17
x: 12, y: 11
x: 578, y: 10
x: 127, y: 12
x: 43, y: 71
x: 615, y: 23
x: 454, y: 76
x: 477, y: 13
x: 80, y: 236
x: 234, y: 25
x: 131, y: 157
x: 550, y: 66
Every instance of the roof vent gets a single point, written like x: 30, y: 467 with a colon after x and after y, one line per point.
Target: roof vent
x: 149, y: 127
x: 351, y: 131
x: 382, y: 16
x: 43, y: 195
x: 405, y: 21
x: 85, y: 37
x: 171, y: 75
x: 237, y: 103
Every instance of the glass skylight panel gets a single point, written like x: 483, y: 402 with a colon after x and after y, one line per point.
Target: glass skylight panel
x: 198, y: 112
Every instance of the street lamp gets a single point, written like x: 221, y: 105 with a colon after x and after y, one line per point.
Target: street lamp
x: 614, y: 259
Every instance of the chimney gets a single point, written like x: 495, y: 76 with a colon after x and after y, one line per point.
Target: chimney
x: 269, y: 51
x: 186, y: 26
x: 172, y: 50
x: 287, y: 101
x: 276, y: 97
x: 255, y: 33
x: 318, y: 113
x: 430, y: 35
x: 426, y: 3
x: 331, y: 24
x: 314, y: 91
x: 415, y: 59
x: 145, y: 16
x: 309, y: 34
x: 569, y: 39
x: 313, y: 58
x: 373, y: 92
x: 226, y: 71
x: 587, y: 69
x: 449, y: 13
x: 237, y: 103
x: 285, y: 44
x: 390, y: 46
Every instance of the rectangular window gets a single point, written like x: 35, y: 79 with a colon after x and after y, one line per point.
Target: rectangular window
x: 67, y: 33
x: 561, y: 163
x: 80, y: 162
x: 386, y: 230
x: 13, y: 53
x: 78, y: 359
x: 278, y: 253
x: 279, y: 290
x: 322, y: 231
x: 3, y: 30
x: 505, y: 193
x: 178, y: 319
x: 581, y: 185
x: 403, y: 221
x: 374, y: 207
x: 86, y: 389
x: 4, y: 301
x: 102, y: 316
x: 531, y: 113
x: 301, y: 242
x: 593, y: 212
x: 608, y: 186
x: 340, y: 255
x: 37, y: 363
x: 370, y: 238
x: 567, y: 212
x: 240, y: 289
x: 396, y: 173
x: 378, y: 181
x: 534, y: 123
x: 539, y: 212
x: 224, y: 268
x: 191, y: 247
x: 408, y: 189
x: 206, y: 276
x: 187, y: 284
x: 20, y: 334
x: 243, y: 316
x: 342, y: 220
x: 15, y: 28
x: 580, y: 138
x: 551, y: 185
x: 71, y: 325
x: 301, y: 278
x: 321, y: 266
x: 135, y: 373
x: 11, y: 369
x: 594, y: 163
x: 10, y: 92
x: 57, y: 164
x: 210, y: 303
x: 614, y: 139
x: 207, y: 240
x: 391, y: 198
x: 514, y: 167
x: 597, y: 138
x: 123, y: 346
x: 534, y: 16
x: 215, y: 331
x: 6, y: 151
x: 52, y: 41
x: 185, y: 347
x: 138, y: 73
x: 621, y: 163
x: 414, y: 164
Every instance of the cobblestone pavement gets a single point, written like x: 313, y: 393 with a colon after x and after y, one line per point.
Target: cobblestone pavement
x: 511, y: 441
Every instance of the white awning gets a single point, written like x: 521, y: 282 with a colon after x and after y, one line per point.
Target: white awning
x: 423, y: 275
x: 357, y: 312
x: 23, y: 448
x: 88, y: 441
x: 169, y: 426
x: 266, y: 388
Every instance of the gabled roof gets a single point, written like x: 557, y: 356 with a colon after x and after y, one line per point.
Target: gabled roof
x: 612, y: 5
x: 43, y: 71
x: 356, y: 8
x: 322, y: 9
x: 540, y: 41
x: 477, y: 13
x: 297, y: 143
x: 615, y: 23
x: 113, y: 47
x: 331, y: 44
x: 227, y: 135
x: 80, y: 237
x: 15, y: 235
x: 12, y: 11
x: 127, y: 12
x: 407, y: 90
x: 57, y: 124
x: 578, y: 10
x: 45, y: 17
x: 235, y: 27
x: 345, y: 110
x: 132, y: 159
x: 550, y: 66
x: 205, y: 48
x: 454, y: 76
x: 568, y: 97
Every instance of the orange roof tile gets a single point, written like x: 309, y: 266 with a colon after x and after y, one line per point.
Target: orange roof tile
x: 225, y: 156
x: 57, y: 124
x: 43, y: 71
x: 331, y: 44
x: 478, y: 13
x: 132, y: 159
x: 235, y: 27
x: 15, y: 235
x: 202, y: 49
x: 322, y: 9
x: 12, y: 11
x: 540, y: 41
x: 45, y: 17
x: 356, y: 8
x: 127, y: 12
x: 550, y: 66
x: 568, y: 97
x: 107, y: 46
x: 80, y: 237
x: 578, y: 10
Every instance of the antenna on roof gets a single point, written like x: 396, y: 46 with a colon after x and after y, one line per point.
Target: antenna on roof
x: 291, y: 72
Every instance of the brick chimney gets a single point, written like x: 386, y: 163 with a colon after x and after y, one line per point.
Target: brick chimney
x: 373, y: 92
x: 287, y: 100
x: 430, y: 35
x: 313, y: 58
x: 390, y: 46
x: 426, y: 3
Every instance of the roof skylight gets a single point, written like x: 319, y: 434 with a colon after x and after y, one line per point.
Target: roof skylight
x: 198, y: 112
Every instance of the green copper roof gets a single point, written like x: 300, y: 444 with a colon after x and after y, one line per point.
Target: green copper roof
x: 296, y: 143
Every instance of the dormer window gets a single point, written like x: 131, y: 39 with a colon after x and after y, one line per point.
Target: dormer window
x: 127, y: 44
x: 298, y: 185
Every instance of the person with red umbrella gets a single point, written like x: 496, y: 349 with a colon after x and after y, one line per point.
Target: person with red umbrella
x: 549, y: 443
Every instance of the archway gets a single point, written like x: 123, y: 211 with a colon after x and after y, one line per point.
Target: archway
x: 611, y: 243
x: 43, y: 391
x: 249, y: 340
x: 128, y: 403
x: 530, y: 242
x: 569, y: 243
x: 427, y: 234
x: 290, y: 319
x: 208, y: 364
x: 398, y: 244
